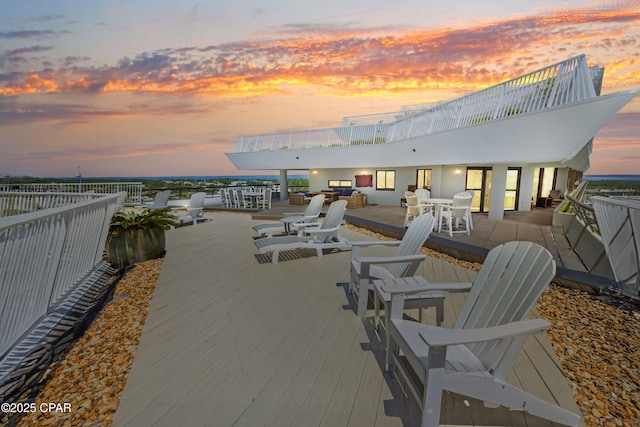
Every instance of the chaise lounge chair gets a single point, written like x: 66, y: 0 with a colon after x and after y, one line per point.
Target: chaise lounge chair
x: 316, y: 236
x: 474, y: 358
x: 311, y: 213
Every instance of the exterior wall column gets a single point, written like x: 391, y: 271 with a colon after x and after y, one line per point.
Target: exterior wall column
x: 498, y: 191
x: 526, y: 188
x: 284, y: 188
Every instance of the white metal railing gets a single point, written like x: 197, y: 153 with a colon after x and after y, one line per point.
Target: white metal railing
x: 619, y: 224
x: 133, y: 189
x: 562, y: 83
x: 17, y: 203
x: 43, y: 255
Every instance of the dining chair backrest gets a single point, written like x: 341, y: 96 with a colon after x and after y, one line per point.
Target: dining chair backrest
x: 423, y: 194
x: 413, y: 205
x: 461, y: 200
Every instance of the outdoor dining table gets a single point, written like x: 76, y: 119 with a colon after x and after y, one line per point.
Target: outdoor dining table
x: 288, y: 220
x: 437, y: 203
x: 253, y: 195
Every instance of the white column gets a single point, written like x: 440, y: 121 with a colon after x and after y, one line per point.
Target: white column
x: 284, y: 189
x: 526, y: 188
x: 498, y: 191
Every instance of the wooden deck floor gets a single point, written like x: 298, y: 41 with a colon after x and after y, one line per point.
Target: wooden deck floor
x: 232, y: 342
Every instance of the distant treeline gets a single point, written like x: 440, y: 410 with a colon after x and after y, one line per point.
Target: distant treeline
x: 614, y: 184
x: 157, y: 183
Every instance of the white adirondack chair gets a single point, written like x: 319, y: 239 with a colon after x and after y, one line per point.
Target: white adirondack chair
x: 160, y: 201
x: 194, y: 210
x: 424, y: 194
x: 310, y: 214
x: 474, y: 357
x: 414, y: 210
x: 403, y: 263
x: 318, y: 235
x: 459, y: 211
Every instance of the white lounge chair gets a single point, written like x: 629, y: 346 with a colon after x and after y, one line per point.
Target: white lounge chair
x: 194, y: 210
x: 310, y: 214
x: 316, y: 236
x: 474, y: 357
x: 405, y: 261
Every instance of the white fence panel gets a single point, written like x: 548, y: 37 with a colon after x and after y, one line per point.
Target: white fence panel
x: 619, y: 223
x: 43, y: 255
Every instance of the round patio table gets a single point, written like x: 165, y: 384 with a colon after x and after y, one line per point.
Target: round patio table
x: 287, y: 221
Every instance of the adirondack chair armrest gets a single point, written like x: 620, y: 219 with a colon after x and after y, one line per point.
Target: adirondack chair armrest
x: 373, y: 243
x: 303, y: 225
x: 390, y: 259
x: 416, y: 289
x: 356, y: 245
x: 300, y: 214
x: 441, y: 337
x: 320, y: 230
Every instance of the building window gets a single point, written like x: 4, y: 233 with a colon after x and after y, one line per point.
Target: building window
x: 423, y: 179
x: 385, y: 180
x: 339, y: 183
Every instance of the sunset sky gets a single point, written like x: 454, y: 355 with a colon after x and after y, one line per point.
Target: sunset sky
x: 164, y: 88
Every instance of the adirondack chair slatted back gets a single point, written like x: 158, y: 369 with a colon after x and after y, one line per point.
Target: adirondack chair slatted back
x: 197, y: 200
x: 412, y: 241
x: 315, y: 206
x: 332, y: 219
x: 161, y: 200
x: 512, y: 278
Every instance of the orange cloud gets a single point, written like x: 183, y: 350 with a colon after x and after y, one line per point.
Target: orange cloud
x: 351, y: 62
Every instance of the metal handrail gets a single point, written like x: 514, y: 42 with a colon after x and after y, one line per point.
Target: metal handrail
x: 133, y: 189
x: 562, y: 83
x: 44, y: 255
x: 17, y: 202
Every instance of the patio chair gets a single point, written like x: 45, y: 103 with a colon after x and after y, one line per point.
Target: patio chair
x: 316, y: 236
x: 458, y: 211
x: 424, y: 195
x: 264, y: 201
x: 414, y: 210
x: 194, y: 210
x: 474, y: 357
x: 226, y: 197
x: 311, y: 213
x: 404, y: 262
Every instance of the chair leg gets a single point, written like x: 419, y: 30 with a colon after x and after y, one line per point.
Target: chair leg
x: 363, y: 297
x: 432, y: 398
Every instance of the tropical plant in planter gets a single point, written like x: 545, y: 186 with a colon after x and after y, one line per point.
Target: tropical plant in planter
x: 137, y: 236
